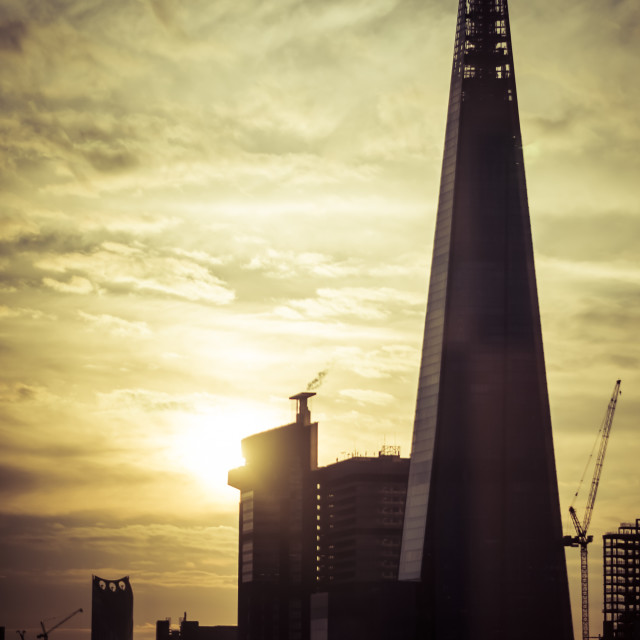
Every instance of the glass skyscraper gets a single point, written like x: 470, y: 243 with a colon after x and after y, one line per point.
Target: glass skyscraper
x: 482, y: 531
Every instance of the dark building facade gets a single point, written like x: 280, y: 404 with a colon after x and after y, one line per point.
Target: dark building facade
x: 360, y: 515
x: 111, y: 609
x: 319, y: 547
x: 193, y: 630
x: 482, y: 533
x: 622, y: 583
x: 277, y: 554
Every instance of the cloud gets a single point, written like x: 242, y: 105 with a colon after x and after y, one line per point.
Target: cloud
x: 117, y: 267
x: 588, y: 236
x: 368, y: 396
x: 397, y: 361
x: 14, y: 479
x: 163, y: 10
x: 19, y: 312
x: 277, y: 264
x: 112, y: 160
x: 14, y: 223
x: 80, y: 546
x: 364, y: 303
x: 199, y: 256
x: 12, y: 33
x: 75, y: 284
x: 129, y: 539
x: 148, y: 400
x: 116, y: 326
x: 20, y: 392
x: 384, y: 362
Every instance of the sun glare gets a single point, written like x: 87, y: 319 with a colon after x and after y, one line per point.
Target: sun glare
x: 207, y: 445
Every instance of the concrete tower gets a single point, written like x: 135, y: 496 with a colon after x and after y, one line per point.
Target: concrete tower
x: 278, y: 520
x: 482, y: 531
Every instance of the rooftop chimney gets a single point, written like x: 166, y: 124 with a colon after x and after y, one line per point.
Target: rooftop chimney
x: 303, y: 415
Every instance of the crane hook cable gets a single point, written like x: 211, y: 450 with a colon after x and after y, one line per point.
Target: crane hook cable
x: 584, y: 473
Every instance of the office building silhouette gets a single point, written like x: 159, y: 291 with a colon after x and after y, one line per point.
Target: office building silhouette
x: 111, y: 609
x: 621, y: 552
x: 482, y: 532
x: 277, y: 545
x: 360, y: 515
x: 319, y: 547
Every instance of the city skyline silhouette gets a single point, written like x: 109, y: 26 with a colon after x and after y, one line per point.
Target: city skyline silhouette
x: 204, y: 206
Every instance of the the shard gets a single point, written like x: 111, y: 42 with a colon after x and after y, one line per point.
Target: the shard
x: 482, y: 533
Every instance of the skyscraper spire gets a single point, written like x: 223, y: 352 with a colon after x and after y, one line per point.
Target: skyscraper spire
x: 482, y: 527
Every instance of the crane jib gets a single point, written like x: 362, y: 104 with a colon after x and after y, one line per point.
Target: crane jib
x: 582, y: 539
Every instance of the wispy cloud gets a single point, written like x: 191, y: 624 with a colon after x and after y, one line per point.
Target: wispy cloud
x: 75, y: 284
x: 368, y: 396
x: 364, y: 303
x: 116, y: 326
x: 116, y: 267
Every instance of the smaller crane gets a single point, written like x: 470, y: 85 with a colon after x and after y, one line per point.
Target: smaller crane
x: 582, y: 539
x: 45, y: 632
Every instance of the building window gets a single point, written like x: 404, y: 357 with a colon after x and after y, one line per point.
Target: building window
x: 246, y: 509
x: 247, y: 561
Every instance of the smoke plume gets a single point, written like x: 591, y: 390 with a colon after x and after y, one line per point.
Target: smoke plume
x: 317, y: 381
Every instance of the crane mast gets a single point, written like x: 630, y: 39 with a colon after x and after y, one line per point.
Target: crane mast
x: 582, y: 539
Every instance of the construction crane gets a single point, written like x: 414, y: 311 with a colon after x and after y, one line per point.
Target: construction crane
x: 582, y: 539
x: 45, y: 632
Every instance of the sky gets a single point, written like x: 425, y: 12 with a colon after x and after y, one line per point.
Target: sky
x: 206, y: 204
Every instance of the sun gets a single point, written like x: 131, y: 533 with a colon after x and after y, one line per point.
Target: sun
x: 208, y: 444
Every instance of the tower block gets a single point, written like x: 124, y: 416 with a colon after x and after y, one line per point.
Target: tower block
x: 482, y: 531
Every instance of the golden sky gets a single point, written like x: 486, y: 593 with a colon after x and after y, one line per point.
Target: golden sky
x: 206, y: 203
